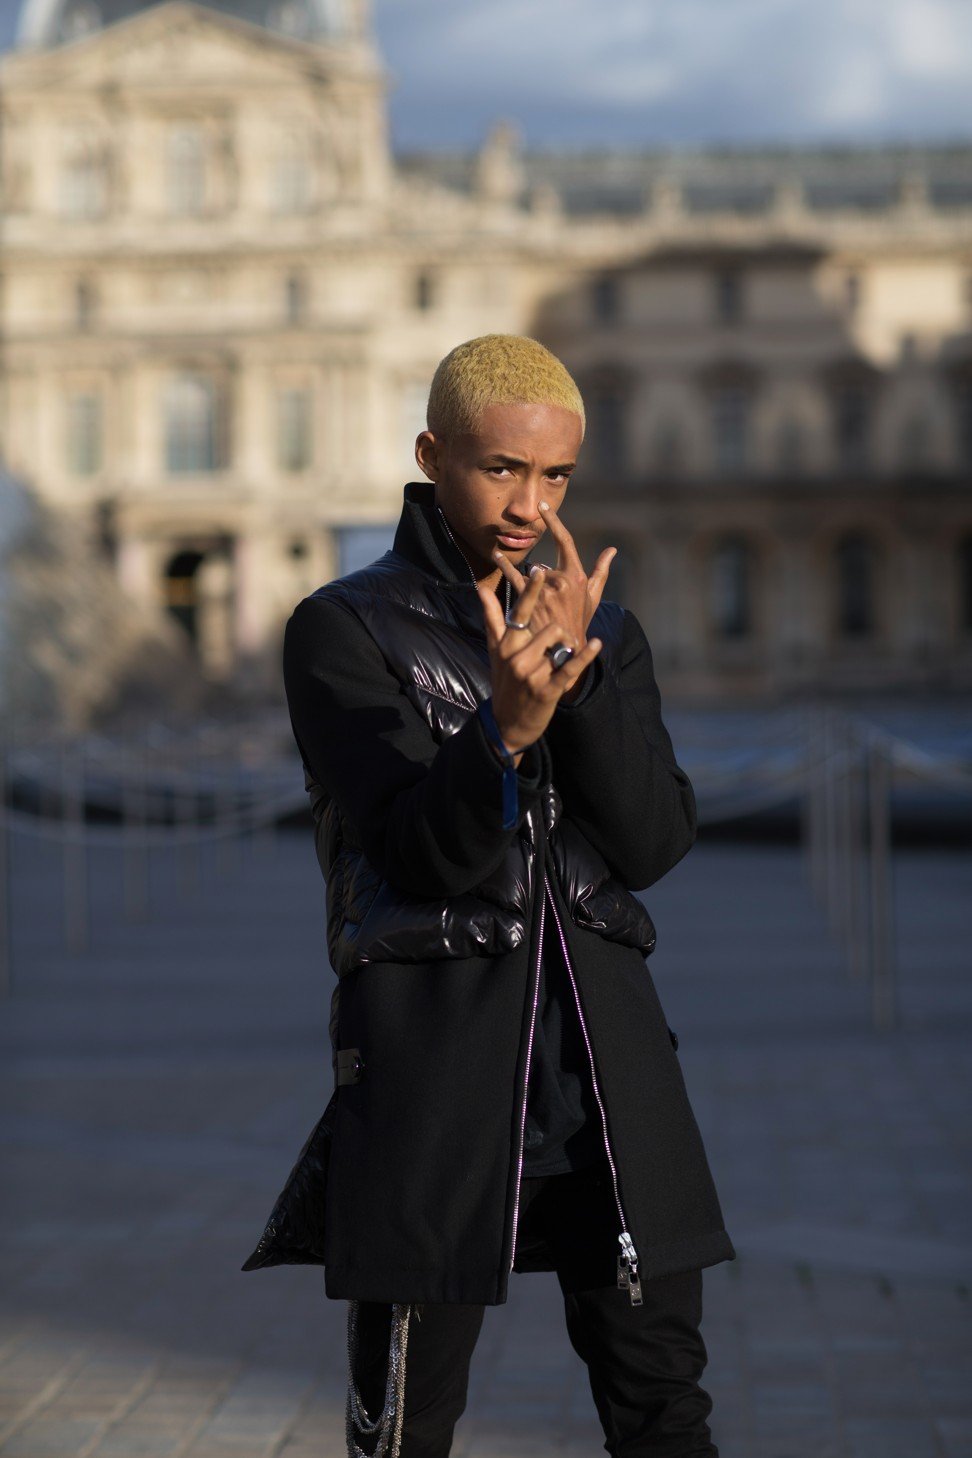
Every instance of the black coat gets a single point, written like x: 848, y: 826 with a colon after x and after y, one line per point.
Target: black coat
x: 434, y: 921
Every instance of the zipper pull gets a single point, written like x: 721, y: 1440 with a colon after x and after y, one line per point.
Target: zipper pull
x: 628, y: 1278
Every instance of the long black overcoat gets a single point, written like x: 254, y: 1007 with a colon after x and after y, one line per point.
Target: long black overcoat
x: 434, y: 922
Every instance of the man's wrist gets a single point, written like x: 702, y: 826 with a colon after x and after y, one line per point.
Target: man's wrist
x: 517, y: 754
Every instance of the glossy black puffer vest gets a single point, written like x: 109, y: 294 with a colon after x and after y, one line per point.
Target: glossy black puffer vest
x: 430, y: 633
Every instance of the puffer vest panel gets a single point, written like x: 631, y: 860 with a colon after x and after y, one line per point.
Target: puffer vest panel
x: 425, y: 632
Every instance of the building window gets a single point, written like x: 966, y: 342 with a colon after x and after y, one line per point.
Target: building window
x: 855, y: 563
x: 84, y: 181
x: 294, y: 430
x: 730, y: 428
x: 914, y: 445
x: 192, y: 443
x: 83, y: 434
x: 965, y: 583
x: 295, y: 299
x: 790, y: 448
x: 728, y: 296
x: 669, y: 447
x: 851, y: 423
x: 605, y: 446
x: 731, y: 587
x: 84, y: 303
x: 414, y: 402
x: 605, y: 300
x: 424, y: 296
x: 963, y: 419
x: 78, y: 19
x: 290, y: 17
x: 291, y: 176
x: 186, y: 166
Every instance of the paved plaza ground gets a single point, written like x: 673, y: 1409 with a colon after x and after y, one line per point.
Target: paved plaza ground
x: 156, y: 1087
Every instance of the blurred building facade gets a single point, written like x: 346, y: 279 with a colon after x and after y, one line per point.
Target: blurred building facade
x: 223, y: 300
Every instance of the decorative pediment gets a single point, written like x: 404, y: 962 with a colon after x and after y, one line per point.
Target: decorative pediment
x: 171, y: 45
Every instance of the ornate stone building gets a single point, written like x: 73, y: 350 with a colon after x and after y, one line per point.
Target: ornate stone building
x: 223, y: 300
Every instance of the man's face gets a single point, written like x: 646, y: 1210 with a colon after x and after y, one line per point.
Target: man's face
x: 489, y: 481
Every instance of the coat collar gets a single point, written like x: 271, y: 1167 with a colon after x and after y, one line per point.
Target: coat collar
x: 423, y: 536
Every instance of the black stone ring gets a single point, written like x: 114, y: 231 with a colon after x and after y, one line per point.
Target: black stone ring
x: 559, y: 654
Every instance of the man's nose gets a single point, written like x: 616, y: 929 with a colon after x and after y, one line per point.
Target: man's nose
x: 525, y: 504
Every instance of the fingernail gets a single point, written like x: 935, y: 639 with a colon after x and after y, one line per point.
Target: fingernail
x: 545, y: 505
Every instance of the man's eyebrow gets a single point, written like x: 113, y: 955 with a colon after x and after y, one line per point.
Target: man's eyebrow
x: 497, y: 458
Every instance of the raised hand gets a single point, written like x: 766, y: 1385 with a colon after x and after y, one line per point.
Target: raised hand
x: 526, y: 686
x: 570, y: 597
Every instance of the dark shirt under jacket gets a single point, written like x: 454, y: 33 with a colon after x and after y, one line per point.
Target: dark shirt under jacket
x: 563, y: 1123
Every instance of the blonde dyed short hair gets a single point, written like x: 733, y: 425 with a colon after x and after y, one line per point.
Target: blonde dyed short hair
x: 497, y: 369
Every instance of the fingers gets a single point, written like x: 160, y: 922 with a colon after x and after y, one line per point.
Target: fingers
x: 598, y: 578
x: 508, y: 570
x: 563, y: 678
x: 493, y: 616
x: 568, y: 558
x: 500, y: 636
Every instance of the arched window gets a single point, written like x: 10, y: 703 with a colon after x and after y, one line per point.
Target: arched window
x: 731, y: 587
x: 191, y: 425
x: 186, y: 170
x: 854, y: 557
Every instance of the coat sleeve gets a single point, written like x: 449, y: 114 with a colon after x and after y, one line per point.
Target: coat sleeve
x: 615, y: 770
x: 428, y: 815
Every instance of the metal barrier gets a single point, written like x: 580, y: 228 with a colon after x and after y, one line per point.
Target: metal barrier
x: 181, y: 793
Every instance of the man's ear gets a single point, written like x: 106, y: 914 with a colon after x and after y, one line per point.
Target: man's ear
x: 428, y: 454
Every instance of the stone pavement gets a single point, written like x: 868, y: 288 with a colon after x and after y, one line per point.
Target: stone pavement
x: 156, y: 1088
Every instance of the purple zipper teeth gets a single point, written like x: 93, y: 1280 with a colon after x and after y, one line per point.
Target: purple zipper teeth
x: 590, y: 1055
x: 526, y: 1080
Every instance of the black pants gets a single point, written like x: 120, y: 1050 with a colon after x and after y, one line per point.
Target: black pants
x: 643, y: 1362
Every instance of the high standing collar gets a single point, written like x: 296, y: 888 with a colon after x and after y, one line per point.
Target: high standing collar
x: 424, y: 537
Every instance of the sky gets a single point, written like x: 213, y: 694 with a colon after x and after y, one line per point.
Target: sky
x: 672, y: 73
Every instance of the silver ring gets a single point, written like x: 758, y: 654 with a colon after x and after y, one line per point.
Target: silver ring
x: 559, y: 654
x: 512, y: 623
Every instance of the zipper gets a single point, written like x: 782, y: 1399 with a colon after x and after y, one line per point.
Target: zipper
x: 526, y: 1079
x: 462, y: 554
x: 628, y: 1277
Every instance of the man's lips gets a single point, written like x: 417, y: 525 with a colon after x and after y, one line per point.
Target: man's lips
x: 509, y: 540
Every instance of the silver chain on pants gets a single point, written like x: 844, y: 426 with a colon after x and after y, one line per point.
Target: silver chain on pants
x: 388, y: 1424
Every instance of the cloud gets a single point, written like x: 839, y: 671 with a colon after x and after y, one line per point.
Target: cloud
x: 670, y: 72
x: 644, y: 72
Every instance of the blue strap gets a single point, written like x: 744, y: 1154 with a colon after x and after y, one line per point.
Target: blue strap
x: 511, y: 796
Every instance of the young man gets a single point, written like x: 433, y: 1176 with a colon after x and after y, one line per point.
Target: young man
x: 491, y: 781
